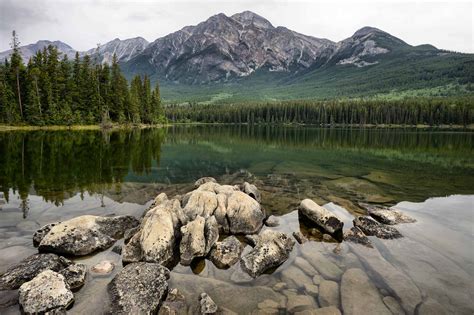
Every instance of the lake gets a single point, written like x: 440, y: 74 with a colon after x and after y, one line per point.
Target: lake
x: 48, y: 176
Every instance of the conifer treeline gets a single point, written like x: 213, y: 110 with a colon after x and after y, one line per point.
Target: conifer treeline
x: 430, y: 111
x: 52, y: 90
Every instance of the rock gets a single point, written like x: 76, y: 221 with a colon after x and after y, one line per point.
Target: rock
x: 295, y: 277
x: 330, y: 310
x: 84, y: 234
x: 317, y: 279
x: 103, y: 267
x: 359, y: 295
x: 29, y: 268
x: 252, y: 191
x: 127, y: 236
x: 386, y: 215
x: 40, y: 233
x: 305, y: 266
x: 47, y: 292
x: 300, y: 237
x: 355, y: 235
x: 117, y: 249
x: 8, y: 298
x: 75, y: 275
x: 300, y: 303
x: 373, y: 228
x: 321, y: 263
x: 207, y: 304
x: 244, y: 214
x: 200, y: 203
x: 272, y: 221
x: 139, y: 288
x: 198, y: 236
x: 226, y: 253
x: 266, y: 304
x: 204, y: 180
x: 280, y: 286
x: 271, y: 250
x: 311, y: 289
x: 175, y: 304
x: 320, y: 216
x: 132, y: 251
x: 393, y: 305
x: 430, y: 306
x: 328, y: 293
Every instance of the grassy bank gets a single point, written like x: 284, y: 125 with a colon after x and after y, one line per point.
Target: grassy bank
x: 76, y: 127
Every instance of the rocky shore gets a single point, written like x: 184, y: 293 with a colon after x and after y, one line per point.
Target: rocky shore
x: 344, y: 272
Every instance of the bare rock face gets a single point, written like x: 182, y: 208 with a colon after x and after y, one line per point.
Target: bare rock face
x: 75, y: 275
x: 198, y: 237
x: 83, y: 235
x: 320, y: 216
x: 272, y: 249
x: 139, y: 288
x: 226, y: 253
x: 359, y: 295
x: 355, y: 235
x: 47, y: 292
x: 30, y: 267
x: 388, y: 216
x: 373, y: 228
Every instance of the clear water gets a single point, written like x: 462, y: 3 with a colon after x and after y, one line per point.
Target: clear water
x: 49, y: 176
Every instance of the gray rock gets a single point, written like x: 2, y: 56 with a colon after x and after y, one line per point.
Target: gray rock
x: 300, y: 238
x: 84, y: 234
x: 204, y: 180
x: 393, y: 305
x: 252, y: 191
x: 29, y: 268
x: 272, y: 221
x: 103, y: 267
x: 226, y: 253
x: 355, y: 235
x: 328, y: 293
x: 305, y: 266
x: 295, y: 277
x: 430, y: 306
x: 300, y: 303
x: 211, y: 233
x: 329, y: 310
x: 311, y: 289
x: 40, y: 233
x: 75, y: 275
x: 117, y: 249
x: 47, y: 292
x: 127, y: 236
x: 139, y: 288
x: 207, y: 304
x: 387, y: 215
x: 175, y: 304
x: 8, y: 298
x: 373, y: 228
x: 271, y: 250
x: 198, y: 237
x: 201, y: 203
x: 320, y: 216
x: 321, y: 263
x: 244, y: 214
x: 280, y: 286
x: 359, y: 295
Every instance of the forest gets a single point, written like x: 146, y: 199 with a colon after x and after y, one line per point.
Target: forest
x: 52, y: 90
x: 412, y: 111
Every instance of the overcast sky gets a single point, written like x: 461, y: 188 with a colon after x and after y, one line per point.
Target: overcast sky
x: 84, y: 23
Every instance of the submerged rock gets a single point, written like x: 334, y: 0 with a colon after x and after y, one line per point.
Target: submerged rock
x: 207, y: 304
x: 272, y: 221
x: 139, y: 288
x: 103, y: 267
x: 47, y: 292
x: 198, y: 237
x: 252, y: 191
x: 75, y: 275
x: 299, y: 303
x: 328, y: 293
x: 84, y: 234
x: 355, y: 235
x: 30, y: 267
x: 226, y: 253
x: 8, y: 298
x: 373, y: 228
x: 359, y: 295
x: 327, y: 268
x: 175, y: 304
x: 272, y: 249
x: 300, y: 237
x: 320, y: 216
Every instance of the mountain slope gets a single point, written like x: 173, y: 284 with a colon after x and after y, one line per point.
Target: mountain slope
x: 124, y: 50
x: 30, y: 50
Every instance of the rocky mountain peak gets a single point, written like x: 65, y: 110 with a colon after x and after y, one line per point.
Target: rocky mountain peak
x: 366, y: 30
x: 248, y: 17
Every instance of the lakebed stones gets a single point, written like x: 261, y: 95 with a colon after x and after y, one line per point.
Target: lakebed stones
x: 226, y: 253
x: 272, y: 248
x: 320, y: 216
x: 272, y: 221
x: 139, y: 288
x: 300, y: 237
x: 175, y: 304
x: 355, y: 235
x: 359, y: 295
x: 387, y: 215
x: 328, y: 293
x: 373, y: 228
x: 75, y: 275
x: 198, y: 237
x: 30, y: 267
x: 47, y: 292
x: 103, y: 267
x: 83, y: 235
x: 207, y: 304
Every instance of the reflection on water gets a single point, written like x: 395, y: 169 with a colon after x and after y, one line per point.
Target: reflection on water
x: 51, y: 176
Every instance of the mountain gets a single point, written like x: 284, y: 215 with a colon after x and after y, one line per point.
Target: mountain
x: 30, y: 50
x: 124, y: 50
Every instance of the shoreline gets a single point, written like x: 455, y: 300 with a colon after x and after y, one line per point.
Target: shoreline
x: 6, y: 128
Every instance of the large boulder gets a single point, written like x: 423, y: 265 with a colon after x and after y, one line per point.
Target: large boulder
x: 359, y: 295
x: 198, y: 237
x: 47, y: 292
x: 373, y: 228
x: 355, y: 235
x: 252, y: 191
x: 226, y: 253
x: 75, y: 275
x: 272, y: 249
x: 320, y: 216
x: 387, y: 215
x: 30, y: 267
x: 83, y: 235
x: 139, y: 288
x: 244, y: 214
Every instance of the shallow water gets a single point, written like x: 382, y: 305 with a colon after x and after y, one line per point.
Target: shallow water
x: 51, y: 176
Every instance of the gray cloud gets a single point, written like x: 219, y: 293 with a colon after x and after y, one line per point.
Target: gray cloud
x: 84, y: 23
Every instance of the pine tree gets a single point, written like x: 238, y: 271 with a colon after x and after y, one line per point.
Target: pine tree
x: 17, y: 68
